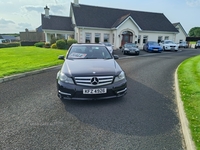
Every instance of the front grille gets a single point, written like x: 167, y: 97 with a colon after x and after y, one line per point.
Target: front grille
x: 99, y: 80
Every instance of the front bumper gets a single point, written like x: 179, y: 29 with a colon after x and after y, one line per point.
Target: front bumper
x: 131, y: 51
x: 171, y: 48
x: 75, y: 92
x: 154, y: 49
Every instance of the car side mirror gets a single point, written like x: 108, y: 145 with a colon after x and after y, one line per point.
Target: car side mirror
x: 116, y: 56
x: 62, y: 57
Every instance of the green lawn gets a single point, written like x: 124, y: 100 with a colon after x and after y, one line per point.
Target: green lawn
x: 23, y: 59
x: 189, y: 84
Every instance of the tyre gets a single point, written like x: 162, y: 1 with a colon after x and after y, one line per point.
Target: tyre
x: 163, y: 48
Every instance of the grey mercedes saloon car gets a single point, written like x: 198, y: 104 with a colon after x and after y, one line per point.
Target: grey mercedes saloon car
x: 90, y: 72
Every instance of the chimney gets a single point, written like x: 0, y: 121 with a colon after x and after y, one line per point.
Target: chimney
x: 46, y: 12
x: 76, y: 2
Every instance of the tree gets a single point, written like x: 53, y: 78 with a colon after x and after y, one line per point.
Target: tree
x: 194, y: 32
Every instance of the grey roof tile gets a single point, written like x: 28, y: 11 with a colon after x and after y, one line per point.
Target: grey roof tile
x: 56, y: 23
x: 103, y: 17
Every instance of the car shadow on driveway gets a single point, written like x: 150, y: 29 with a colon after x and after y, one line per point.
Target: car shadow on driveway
x: 142, y: 111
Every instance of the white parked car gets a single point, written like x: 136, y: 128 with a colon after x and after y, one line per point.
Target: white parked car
x: 2, y: 41
x: 169, y: 45
x: 108, y: 46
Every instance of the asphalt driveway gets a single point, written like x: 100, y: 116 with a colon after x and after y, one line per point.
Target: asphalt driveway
x: 33, y: 117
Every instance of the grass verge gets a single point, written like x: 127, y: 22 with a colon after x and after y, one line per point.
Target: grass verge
x: 189, y: 84
x: 22, y: 59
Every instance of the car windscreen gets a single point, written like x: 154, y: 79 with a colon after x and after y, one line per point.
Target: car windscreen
x: 88, y: 52
x: 169, y: 42
x: 130, y: 45
x: 153, y: 43
x: 107, y: 44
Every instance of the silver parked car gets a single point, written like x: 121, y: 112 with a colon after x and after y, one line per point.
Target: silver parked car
x: 108, y: 46
x: 197, y: 45
x: 183, y: 44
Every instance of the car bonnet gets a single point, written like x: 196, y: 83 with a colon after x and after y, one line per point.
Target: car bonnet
x: 90, y: 67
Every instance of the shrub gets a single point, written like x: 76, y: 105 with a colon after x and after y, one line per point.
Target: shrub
x: 70, y: 42
x: 53, y: 40
x: 13, y: 44
x: 47, y: 45
x: 39, y: 44
x: 60, y: 44
x: 2, y: 45
x: 54, y: 46
x: 28, y: 43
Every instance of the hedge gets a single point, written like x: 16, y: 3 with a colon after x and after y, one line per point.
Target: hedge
x: 6, y: 45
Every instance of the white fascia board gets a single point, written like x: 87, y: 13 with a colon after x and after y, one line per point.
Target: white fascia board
x: 133, y: 22
x: 72, y: 15
x: 148, y: 31
x: 58, y: 31
x: 94, y: 28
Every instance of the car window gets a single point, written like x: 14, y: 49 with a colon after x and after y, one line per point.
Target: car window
x: 88, y: 52
x: 153, y: 43
x: 169, y: 42
x: 107, y: 44
x: 130, y: 45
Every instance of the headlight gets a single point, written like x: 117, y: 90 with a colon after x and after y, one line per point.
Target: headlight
x: 62, y: 77
x: 120, y: 77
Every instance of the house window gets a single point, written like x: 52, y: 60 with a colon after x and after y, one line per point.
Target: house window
x: 145, y: 38
x: 60, y: 36
x: 97, y: 37
x: 88, y: 38
x: 159, y: 39
x: 106, y: 38
x: 166, y: 37
x: 139, y: 38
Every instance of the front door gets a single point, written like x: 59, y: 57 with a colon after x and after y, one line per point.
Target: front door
x: 127, y: 37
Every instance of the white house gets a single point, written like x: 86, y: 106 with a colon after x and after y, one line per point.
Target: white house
x: 181, y: 36
x: 93, y: 24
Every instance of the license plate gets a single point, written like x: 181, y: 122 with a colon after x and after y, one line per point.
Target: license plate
x: 95, y: 91
x: 155, y: 49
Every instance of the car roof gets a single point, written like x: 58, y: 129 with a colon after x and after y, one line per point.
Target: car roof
x: 87, y: 44
x: 152, y: 41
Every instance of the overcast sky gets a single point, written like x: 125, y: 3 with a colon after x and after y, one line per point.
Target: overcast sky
x: 17, y: 15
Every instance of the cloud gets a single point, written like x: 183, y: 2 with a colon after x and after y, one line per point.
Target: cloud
x: 6, y: 22
x: 55, y: 9
x: 38, y: 9
x: 24, y: 25
x: 58, y: 9
x: 193, y: 3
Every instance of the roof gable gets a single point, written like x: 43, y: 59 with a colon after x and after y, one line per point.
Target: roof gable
x: 56, y: 23
x: 122, y: 21
x: 102, y: 17
x: 179, y: 24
